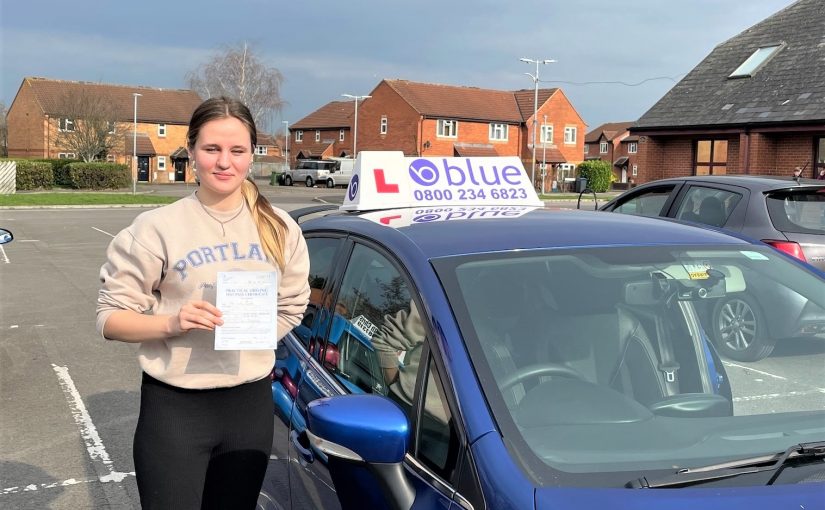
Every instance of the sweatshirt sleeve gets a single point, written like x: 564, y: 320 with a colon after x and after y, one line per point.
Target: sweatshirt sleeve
x: 293, y: 290
x: 400, y: 332
x: 128, y: 277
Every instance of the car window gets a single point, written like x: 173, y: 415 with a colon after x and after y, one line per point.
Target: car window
x: 710, y: 206
x: 800, y: 211
x: 373, y: 292
x: 648, y: 203
x: 322, y: 252
x: 436, y: 439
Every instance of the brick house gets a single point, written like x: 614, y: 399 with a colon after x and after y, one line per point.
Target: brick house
x: 754, y: 105
x: 424, y: 119
x: 324, y: 133
x: 612, y: 142
x: 35, y: 119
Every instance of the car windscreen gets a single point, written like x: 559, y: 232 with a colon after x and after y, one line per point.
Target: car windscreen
x: 800, y: 211
x: 601, y: 364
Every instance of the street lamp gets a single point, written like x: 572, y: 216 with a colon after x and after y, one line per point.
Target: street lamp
x: 134, y: 146
x: 535, y: 105
x: 544, y: 153
x: 355, y: 126
x: 286, y: 138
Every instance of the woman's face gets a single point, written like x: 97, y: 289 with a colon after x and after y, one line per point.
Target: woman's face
x: 222, y: 156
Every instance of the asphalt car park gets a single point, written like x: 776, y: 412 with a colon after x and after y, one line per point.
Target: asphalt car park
x: 70, y: 399
x: 786, y: 213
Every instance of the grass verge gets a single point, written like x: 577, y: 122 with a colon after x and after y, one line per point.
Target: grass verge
x: 45, y: 199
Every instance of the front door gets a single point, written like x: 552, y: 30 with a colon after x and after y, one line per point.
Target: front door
x: 180, y: 170
x: 143, y: 168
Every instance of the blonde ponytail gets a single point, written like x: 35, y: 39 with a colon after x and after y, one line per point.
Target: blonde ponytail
x: 271, y: 228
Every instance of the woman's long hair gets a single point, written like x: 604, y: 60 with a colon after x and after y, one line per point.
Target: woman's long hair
x: 271, y: 228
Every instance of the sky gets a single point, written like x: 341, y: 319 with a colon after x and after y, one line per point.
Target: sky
x: 614, y: 60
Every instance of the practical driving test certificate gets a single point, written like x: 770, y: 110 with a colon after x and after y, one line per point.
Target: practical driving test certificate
x: 248, y: 301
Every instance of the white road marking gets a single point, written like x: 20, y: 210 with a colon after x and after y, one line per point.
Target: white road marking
x: 779, y: 395
x: 103, y: 232
x: 744, y: 367
x: 27, y: 240
x: 5, y: 257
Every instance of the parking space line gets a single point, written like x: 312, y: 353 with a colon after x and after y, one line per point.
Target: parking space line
x: 5, y: 257
x: 103, y: 232
x: 744, y: 367
x: 770, y: 396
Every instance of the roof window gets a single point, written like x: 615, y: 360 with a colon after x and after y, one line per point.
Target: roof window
x: 757, y: 59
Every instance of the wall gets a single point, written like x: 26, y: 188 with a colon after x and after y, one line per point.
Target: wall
x: 403, y: 123
x: 26, y: 125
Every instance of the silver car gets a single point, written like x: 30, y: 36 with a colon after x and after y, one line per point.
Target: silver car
x: 786, y: 213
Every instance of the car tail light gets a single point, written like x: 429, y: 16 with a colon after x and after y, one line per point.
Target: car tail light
x: 289, y: 385
x: 789, y: 247
x: 331, y: 357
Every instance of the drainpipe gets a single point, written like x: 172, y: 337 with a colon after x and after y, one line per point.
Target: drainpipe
x: 745, y: 146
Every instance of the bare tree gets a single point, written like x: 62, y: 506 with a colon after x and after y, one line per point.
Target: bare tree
x: 4, y: 131
x: 238, y: 73
x: 87, y: 124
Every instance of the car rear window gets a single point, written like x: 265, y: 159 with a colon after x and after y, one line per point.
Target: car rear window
x: 798, y: 210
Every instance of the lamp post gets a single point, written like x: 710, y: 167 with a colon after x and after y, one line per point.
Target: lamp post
x: 134, y: 145
x: 535, y: 79
x: 286, y: 139
x: 543, y: 153
x: 355, y: 125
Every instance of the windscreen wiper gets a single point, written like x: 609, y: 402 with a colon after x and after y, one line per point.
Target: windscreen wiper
x: 776, y: 462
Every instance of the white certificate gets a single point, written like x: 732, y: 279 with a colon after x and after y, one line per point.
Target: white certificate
x: 248, y: 301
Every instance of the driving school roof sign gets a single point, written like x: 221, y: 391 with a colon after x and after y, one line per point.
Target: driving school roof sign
x: 389, y: 180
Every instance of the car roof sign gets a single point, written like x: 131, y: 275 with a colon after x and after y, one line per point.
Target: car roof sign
x: 389, y: 180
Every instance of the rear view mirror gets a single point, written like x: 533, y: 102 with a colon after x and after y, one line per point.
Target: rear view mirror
x: 5, y: 236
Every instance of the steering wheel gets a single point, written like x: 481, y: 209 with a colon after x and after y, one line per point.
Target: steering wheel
x: 531, y: 371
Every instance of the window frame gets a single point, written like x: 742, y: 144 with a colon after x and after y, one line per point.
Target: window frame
x: 573, y: 133
x: 447, y: 128
x: 712, y: 164
x: 603, y: 147
x: 162, y: 130
x: 341, y: 135
x: 498, y: 132
x: 161, y: 163
x: 261, y: 150
x: 632, y: 147
x: 547, y: 133
x: 299, y: 135
x: 317, y: 135
x: 383, y: 127
x: 65, y: 124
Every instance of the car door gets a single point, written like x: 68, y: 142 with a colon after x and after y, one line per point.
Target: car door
x: 652, y: 200
x: 374, y: 318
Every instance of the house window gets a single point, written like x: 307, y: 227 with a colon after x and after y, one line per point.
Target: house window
x: 547, y: 133
x: 66, y: 155
x: 586, y: 148
x: 635, y: 170
x: 340, y: 135
x: 65, y: 125
x: 161, y: 130
x: 161, y: 162
x: 570, y: 135
x: 632, y: 148
x: 602, y: 145
x: 498, y: 131
x: 111, y: 158
x: 299, y: 136
x: 383, y: 128
x: 260, y: 150
x: 447, y: 128
x: 711, y: 157
x: 112, y: 127
x: 317, y: 135
x: 756, y: 60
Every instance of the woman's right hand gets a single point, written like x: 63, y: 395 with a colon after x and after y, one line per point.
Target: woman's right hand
x: 196, y: 315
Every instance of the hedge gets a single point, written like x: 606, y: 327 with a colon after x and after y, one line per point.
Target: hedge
x: 33, y: 175
x: 598, y: 173
x: 94, y: 175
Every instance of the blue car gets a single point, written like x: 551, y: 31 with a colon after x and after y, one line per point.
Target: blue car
x: 465, y: 348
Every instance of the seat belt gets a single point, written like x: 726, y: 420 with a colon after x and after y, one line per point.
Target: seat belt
x: 668, y: 366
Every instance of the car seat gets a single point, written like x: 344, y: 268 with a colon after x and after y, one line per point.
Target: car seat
x: 712, y: 212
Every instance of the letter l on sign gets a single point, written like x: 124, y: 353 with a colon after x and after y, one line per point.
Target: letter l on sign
x: 381, y: 185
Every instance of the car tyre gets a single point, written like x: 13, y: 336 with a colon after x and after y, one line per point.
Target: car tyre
x: 740, y: 329
x: 310, y: 182
x: 330, y: 183
x: 288, y: 180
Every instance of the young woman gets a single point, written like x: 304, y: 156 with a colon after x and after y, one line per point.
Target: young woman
x: 204, y: 432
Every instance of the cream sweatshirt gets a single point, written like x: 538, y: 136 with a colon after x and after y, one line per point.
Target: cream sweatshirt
x: 170, y: 256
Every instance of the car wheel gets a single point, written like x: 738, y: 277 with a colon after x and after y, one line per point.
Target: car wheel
x: 740, y: 329
x: 330, y: 183
x: 288, y: 180
x: 309, y: 182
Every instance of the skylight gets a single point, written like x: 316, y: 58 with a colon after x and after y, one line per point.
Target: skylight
x: 755, y: 61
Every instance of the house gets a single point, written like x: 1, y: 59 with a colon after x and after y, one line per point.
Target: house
x: 754, y: 105
x: 425, y: 119
x: 269, y: 156
x: 324, y: 133
x: 612, y: 142
x: 37, y: 116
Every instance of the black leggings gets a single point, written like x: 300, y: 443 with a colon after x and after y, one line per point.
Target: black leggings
x: 202, y: 448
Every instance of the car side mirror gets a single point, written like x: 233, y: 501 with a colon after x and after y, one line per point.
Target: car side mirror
x: 370, y: 430
x: 5, y: 236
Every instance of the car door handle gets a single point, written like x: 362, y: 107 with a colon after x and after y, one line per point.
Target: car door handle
x: 305, y: 453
